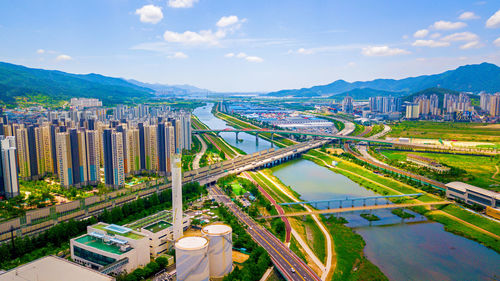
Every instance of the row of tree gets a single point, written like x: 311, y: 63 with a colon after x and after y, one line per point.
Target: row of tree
x: 28, y: 248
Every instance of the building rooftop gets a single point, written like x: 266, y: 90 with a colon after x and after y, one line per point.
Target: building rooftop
x: 54, y: 269
x: 118, y: 230
x: 99, y: 244
x: 462, y: 186
x: 158, y: 226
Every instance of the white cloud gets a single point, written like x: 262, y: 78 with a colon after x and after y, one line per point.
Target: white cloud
x: 305, y: 51
x: 181, y: 3
x: 225, y: 26
x: 461, y: 36
x: 244, y: 56
x: 254, y: 59
x: 63, y: 58
x: 150, y: 14
x: 435, y: 35
x: 468, y: 16
x: 405, y: 36
x: 494, y: 21
x: 227, y: 21
x: 471, y: 45
x: 421, y: 33
x: 448, y: 25
x: 380, y: 51
x: 241, y: 55
x: 40, y: 51
x: 497, y: 42
x: 351, y: 64
x: 193, y: 38
x: 178, y: 55
x: 430, y: 43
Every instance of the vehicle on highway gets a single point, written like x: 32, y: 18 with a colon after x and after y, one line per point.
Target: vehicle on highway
x: 292, y: 269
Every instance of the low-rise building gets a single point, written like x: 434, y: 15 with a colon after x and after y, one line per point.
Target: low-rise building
x: 159, y: 230
x: 471, y: 194
x: 427, y: 162
x: 54, y: 269
x: 111, y: 248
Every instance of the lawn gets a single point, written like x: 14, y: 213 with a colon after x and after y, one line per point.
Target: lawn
x: 480, y: 169
x: 447, y: 131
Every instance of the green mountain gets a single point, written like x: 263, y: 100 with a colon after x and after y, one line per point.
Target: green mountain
x: 366, y: 93
x: 468, y: 78
x: 427, y: 92
x: 22, y: 83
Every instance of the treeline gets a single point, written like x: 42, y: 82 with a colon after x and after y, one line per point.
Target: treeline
x: 258, y: 262
x: 146, y: 272
x: 26, y: 249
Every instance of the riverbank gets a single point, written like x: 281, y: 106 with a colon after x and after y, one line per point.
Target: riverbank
x: 455, y: 219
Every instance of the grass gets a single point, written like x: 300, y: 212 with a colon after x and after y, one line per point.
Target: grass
x: 402, y: 214
x: 450, y: 224
x: 446, y: 131
x: 369, y: 217
x: 351, y: 263
x: 478, y: 174
x: 375, y: 130
x: 358, y: 129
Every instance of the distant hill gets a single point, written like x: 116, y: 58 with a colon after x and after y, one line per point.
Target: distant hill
x: 468, y: 78
x: 366, y: 93
x: 170, y: 89
x: 19, y: 81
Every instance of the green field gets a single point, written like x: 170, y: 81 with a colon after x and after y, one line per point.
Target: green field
x: 447, y: 131
x: 480, y: 169
x: 238, y: 189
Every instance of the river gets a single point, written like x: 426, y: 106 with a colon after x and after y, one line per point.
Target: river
x: 411, y: 249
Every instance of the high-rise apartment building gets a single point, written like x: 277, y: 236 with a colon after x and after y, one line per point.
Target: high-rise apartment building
x: 495, y: 105
x: 9, y: 182
x: 412, y: 111
x: 114, y: 172
x: 347, y: 104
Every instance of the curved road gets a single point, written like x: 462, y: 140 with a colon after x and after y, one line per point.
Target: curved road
x: 291, y: 266
x: 197, y: 158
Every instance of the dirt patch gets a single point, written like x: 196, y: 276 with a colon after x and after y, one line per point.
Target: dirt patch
x: 240, y: 257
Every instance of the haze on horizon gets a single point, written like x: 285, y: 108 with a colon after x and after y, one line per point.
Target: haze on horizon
x: 250, y: 45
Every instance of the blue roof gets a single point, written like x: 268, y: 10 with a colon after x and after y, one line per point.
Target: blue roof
x: 118, y: 228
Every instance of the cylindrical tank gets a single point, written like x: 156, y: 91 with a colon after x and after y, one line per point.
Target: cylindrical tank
x: 220, y: 249
x: 191, y: 253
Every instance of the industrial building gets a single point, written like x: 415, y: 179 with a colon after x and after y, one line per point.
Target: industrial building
x: 471, y: 194
x: 159, y: 229
x: 427, y: 162
x: 54, y: 269
x: 111, y: 248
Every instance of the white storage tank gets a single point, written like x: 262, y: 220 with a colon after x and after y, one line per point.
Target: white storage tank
x: 220, y: 249
x: 191, y: 253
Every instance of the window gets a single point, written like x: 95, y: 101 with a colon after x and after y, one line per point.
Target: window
x: 92, y: 257
x: 479, y: 200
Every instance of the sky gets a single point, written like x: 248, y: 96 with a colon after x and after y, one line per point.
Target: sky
x: 251, y: 45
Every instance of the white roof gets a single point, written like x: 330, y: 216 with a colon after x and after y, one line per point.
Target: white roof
x: 191, y: 242
x: 462, y: 186
x: 215, y: 229
x: 52, y: 268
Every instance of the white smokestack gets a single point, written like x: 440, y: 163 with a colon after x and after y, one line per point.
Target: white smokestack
x: 177, y: 195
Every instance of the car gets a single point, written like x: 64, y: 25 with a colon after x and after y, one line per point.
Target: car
x: 292, y: 269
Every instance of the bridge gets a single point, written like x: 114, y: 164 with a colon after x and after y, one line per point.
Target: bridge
x: 315, y: 203
x: 339, y: 136
x: 359, y: 208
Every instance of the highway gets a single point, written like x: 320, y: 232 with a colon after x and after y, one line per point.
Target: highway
x: 354, y: 138
x: 291, y: 266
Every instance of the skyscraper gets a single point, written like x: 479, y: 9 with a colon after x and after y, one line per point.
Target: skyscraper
x: 347, y: 105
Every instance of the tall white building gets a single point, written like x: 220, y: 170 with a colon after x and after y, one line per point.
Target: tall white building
x: 9, y: 182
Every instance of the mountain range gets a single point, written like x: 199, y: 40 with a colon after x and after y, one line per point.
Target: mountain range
x: 468, y: 78
x: 20, y: 82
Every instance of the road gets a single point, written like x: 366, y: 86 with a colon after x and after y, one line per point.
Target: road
x: 197, y: 158
x: 355, y: 138
x: 291, y: 266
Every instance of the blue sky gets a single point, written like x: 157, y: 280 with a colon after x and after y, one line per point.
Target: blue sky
x: 257, y: 45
